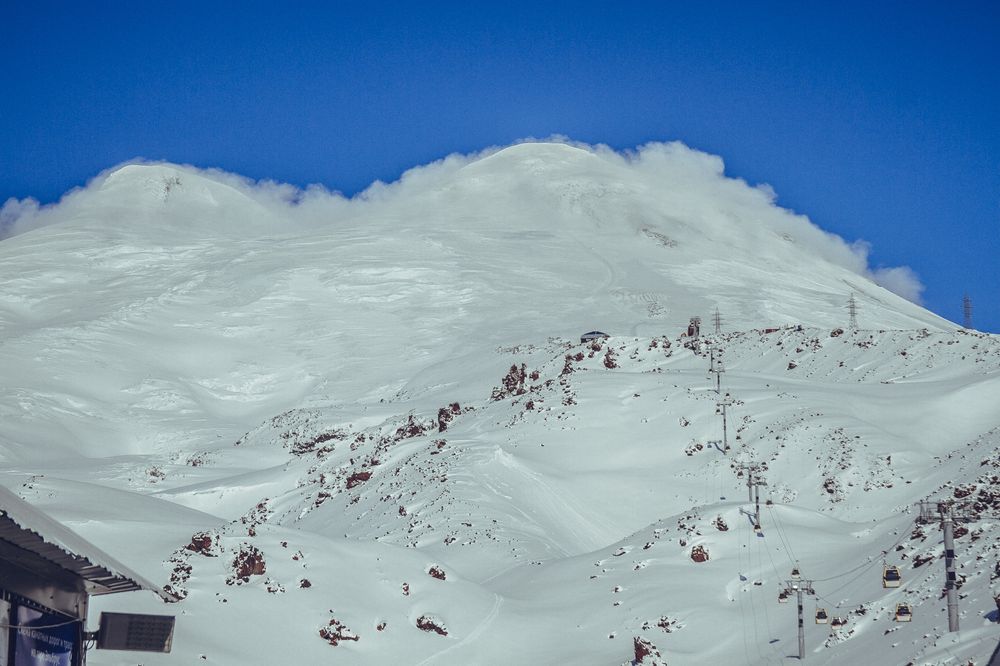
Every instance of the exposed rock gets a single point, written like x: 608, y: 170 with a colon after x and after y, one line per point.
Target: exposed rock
x: 357, y: 478
x: 202, y: 543
x: 645, y: 653
x: 336, y: 631
x: 248, y: 562
x: 699, y: 554
x: 430, y: 623
x: 447, y: 414
x: 512, y: 383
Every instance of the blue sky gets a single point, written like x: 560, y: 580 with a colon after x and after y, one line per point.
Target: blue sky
x: 879, y: 121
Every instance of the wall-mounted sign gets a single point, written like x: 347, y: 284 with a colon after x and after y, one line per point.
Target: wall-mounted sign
x: 6, y: 619
x: 44, y: 639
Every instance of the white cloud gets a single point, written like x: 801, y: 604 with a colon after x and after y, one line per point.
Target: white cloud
x: 18, y: 216
x: 671, y: 180
x: 900, y: 280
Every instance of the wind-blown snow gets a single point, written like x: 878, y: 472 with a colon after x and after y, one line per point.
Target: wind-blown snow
x: 382, y: 403
x: 608, y: 187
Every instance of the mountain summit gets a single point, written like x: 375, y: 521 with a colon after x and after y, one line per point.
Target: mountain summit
x: 236, y: 290
x: 372, y: 425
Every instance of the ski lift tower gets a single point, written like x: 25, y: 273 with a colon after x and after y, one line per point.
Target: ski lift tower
x: 754, y: 482
x: 799, y: 587
x: 716, y: 367
x: 947, y: 513
x: 720, y: 408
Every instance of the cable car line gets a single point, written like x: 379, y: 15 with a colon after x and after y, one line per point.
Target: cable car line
x: 891, y: 575
x: 767, y: 614
x: 865, y: 564
x: 781, y: 535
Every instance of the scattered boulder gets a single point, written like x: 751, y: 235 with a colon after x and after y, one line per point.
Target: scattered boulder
x: 645, y: 653
x: 248, y: 562
x: 357, y: 479
x: 429, y: 623
x: 446, y: 414
x: 336, y: 631
x: 512, y: 383
x: 699, y: 554
x: 202, y: 543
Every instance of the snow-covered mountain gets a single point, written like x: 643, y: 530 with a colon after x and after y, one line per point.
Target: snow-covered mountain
x: 371, y: 422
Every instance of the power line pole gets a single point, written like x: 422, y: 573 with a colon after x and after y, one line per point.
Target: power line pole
x: 800, y: 587
x: 967, y: 311
x: 947, y: 513
x: 852, y: 310
x: 717, y: 320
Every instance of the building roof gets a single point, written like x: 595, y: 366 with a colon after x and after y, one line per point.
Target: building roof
x: 25, y: 528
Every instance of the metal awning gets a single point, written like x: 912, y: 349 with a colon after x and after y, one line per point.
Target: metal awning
x: 34, y: 541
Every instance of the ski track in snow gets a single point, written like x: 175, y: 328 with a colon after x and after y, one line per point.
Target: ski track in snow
x: 483, y: 625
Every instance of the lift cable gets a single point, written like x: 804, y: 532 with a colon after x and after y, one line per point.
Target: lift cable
x: 767, y: 614
x: 739, y: 596
x: 864, y: 565
x: 781, y: 535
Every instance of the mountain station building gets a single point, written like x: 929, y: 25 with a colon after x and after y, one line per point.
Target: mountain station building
x: 47, y: 574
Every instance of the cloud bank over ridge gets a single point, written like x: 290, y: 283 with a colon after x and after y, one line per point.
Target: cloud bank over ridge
x: 688, y: 183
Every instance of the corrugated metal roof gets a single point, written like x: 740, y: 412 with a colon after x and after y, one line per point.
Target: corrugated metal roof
x: 30, y: 530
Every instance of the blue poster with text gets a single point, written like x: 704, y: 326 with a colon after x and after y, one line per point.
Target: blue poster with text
x: 44, y: 639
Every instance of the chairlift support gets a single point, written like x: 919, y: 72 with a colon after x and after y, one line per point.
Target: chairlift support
x: 947, y: 512
x: 720, y: 409
x: 800, y: 587
x: 903, y: 613
x: 891, y: 577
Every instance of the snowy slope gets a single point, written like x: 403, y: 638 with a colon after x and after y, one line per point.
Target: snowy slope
x: 385, y: 397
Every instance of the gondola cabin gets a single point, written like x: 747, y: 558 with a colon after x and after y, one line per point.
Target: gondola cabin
x: 903, y: 613
x: 821, y: 616
x: 782, y: 597
x: 891, y: 577
x: 796, y: 575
